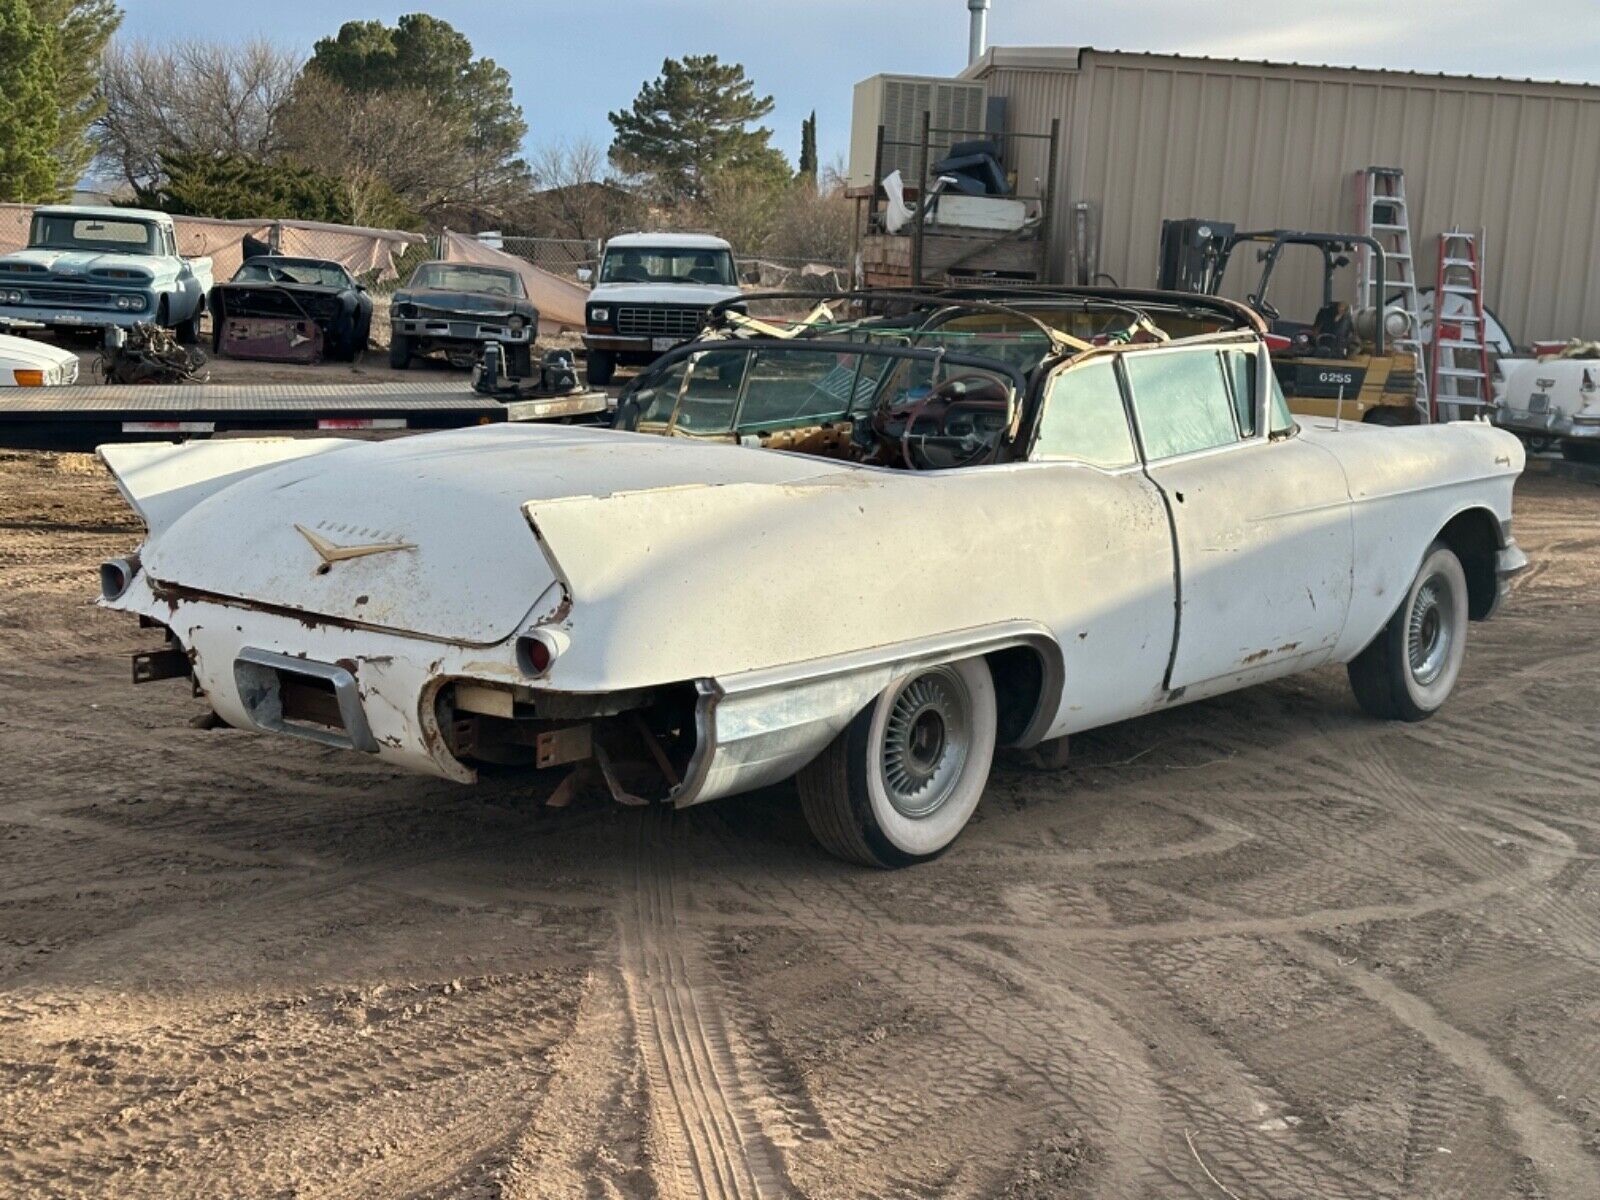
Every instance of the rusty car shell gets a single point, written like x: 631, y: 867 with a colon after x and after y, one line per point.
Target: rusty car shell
x: 472, y: 598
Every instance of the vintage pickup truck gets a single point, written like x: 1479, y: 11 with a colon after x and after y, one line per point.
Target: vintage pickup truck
x: 90, y: 268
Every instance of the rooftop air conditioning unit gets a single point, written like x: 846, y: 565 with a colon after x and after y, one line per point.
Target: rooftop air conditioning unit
x: 897, y: 102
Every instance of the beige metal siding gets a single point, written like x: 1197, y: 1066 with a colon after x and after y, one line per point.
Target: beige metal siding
x: 1266, y: 145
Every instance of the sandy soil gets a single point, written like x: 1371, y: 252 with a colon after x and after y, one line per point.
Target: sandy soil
x: 1259, y: 946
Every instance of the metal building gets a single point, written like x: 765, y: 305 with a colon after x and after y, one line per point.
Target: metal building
x: 1261, y: 144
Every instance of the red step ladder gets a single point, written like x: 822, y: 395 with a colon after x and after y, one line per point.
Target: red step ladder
x: 1460, y: 357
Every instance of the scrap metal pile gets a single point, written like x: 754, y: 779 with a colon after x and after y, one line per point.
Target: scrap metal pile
x: 147, y: 353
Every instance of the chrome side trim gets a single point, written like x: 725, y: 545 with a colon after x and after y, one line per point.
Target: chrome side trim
x: 255, y: 674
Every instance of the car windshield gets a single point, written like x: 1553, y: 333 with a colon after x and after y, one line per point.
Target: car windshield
x: 646, y: 264
x: 909, y: 407
x: 288, y: 270
x: 455, y: 277
x: 69, y: 231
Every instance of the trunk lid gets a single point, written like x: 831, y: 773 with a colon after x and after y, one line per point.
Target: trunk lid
x: 425, y: 535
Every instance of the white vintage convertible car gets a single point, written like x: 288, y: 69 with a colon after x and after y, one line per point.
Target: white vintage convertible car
x: 997, y: 523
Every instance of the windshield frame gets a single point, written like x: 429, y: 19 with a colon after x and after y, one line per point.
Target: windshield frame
x: 343, y: 278
x: 155, y: 241
x: 611, y: 262
x: 1019, y: 383
x: 419, y: 282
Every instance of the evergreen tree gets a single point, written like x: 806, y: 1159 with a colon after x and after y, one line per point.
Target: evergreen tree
x: 81, y: 30
x: 422, y: 54
x: 236, y: 186
x: 30, y: 118
x: 688, y: 126
x: 49, y: 50
x: 808, y: 150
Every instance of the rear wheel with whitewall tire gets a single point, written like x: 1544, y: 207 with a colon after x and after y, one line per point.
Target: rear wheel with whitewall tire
x: 899, y: 784
x: 1410, y: 668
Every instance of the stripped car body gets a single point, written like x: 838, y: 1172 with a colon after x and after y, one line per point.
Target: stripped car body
x: 688, y: 619
x: 283, y: 309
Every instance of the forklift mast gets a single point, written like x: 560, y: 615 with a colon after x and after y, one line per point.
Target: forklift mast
x: 1195, y: 252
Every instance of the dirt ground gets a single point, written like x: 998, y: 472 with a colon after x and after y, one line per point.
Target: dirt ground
x: 1255, y: 947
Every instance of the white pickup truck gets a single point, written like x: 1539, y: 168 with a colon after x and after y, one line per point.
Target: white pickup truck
x: 652, y: 293
x: 90, y: 268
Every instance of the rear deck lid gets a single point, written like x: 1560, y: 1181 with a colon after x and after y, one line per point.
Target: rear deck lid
x: 426, y: 535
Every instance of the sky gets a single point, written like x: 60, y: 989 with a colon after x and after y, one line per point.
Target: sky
x: 572, y: 61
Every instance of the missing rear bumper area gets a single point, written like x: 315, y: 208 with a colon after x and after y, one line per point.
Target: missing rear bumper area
x: 640, y: 746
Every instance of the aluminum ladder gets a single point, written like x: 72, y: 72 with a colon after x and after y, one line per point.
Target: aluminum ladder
x: 1381, y: 193
x: 1460, y: 368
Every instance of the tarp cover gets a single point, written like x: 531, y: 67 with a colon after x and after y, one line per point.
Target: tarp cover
x: 559, y: 301
x: 357, y: 248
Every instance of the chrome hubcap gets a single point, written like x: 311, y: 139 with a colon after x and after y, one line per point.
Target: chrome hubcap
x: 1430, y: 630
x: 925, y: 742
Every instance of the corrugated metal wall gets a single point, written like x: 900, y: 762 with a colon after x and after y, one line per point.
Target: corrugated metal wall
x: 1263, y: 145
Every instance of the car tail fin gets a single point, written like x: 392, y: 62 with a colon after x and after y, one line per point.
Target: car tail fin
x: 161, y: 480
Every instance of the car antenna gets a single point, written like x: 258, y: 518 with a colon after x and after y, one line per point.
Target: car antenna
x: 1338, y: 409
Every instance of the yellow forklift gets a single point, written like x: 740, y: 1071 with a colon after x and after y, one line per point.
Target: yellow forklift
x: 1343, y: 361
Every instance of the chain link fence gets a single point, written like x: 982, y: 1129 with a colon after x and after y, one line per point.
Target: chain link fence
x: 559, y: 256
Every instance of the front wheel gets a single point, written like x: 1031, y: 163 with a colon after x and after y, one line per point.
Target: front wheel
x: 1410, y: 668
x: 899, y: 784
x: 400, y: 351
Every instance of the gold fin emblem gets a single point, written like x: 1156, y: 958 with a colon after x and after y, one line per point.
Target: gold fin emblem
x: 331, y: 552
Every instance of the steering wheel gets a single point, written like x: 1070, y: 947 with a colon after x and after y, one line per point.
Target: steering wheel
x: 972, y: 392
x: 1266, y: 308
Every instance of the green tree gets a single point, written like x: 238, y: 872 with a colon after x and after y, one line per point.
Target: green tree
x: 426, y: 55
x: 808, y: 150
x: 688, y: 126
x: 234, y: 186
x: 81, y: 29
x: 30, y: 117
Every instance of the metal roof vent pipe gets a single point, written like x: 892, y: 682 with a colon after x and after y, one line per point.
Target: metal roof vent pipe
x: 978, y: 34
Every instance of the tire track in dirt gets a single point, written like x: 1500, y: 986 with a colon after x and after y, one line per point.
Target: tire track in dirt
x: 705, y: 1127
x: 195, y: 1103
x: 1549, y: 1139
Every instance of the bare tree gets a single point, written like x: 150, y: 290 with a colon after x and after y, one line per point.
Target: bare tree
x: 576, y: 194
x: 402, y: 153
x: 191, y: 97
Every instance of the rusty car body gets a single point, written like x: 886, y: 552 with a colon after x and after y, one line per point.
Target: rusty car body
x: 284, y: 309
x: 457, y: 309
x: 1013, y: 542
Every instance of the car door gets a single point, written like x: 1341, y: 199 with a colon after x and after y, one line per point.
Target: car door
x: 1261, y: 520
x: 1101, y: 529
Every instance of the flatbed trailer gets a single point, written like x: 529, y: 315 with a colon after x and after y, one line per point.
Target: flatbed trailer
x: 81, y: 417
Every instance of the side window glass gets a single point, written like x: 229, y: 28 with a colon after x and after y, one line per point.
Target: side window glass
x: 1279, y: 418
x: 799, y: 387
x: 1182, y: 401
x: 659, y: 397
x: 1083, y: 419
x: 1241, y: 366
x: 712, y: 392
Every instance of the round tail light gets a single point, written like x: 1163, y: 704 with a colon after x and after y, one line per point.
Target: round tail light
x: 534, y: 654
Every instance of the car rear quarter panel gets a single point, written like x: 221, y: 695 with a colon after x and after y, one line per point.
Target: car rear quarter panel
x: 1405, y: 486
x: 684, y: 583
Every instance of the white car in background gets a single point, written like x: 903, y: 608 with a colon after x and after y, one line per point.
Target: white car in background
x: 27, y: 363
x: 653, y: 292
x: 994, y: 525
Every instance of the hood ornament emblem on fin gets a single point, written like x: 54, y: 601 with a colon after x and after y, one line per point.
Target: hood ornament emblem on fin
x: 331, y: 552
